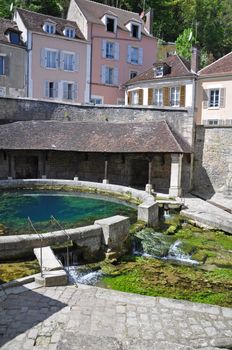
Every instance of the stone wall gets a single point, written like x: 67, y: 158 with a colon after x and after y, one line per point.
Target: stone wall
x: 213, y: 160
x: 28, y: 109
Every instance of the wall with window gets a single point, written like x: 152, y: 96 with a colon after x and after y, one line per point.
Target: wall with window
x: 13, y: 62
x: 59, y: 69
x: 169, y: 94
x: 120, y: 55
x: 214, y: 101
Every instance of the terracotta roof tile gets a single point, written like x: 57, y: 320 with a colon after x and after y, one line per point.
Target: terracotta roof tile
x: 92, y: 137
x: 222, y: 65
x: 179, y: 67
x: 34, y: 21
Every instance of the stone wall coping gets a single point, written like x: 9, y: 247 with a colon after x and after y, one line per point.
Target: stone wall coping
x: 111, y: 188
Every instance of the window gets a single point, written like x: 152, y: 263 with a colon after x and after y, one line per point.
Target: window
x: 135, y: 97
x: 69, y: 32
x: 214, y: 98
x: 96, y: 100
x: 175, y: 96
x: 158, y: 97
x: 69, y: 91
x: 2, y: 65
x: 69, y: 62
x: 133, y: 74
x: 110, y: 24
x: 51, y: 89
x: 51, y: 59
x: 135, y: 55
x: 135, y: 30
x: 110, y: 50
x: 109, y: 75
x: 159, y: 71
x: 49, y: 28
x: 14, y: 38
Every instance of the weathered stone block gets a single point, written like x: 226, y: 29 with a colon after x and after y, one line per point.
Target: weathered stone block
x: 149, y: 212
x: 115, y: 230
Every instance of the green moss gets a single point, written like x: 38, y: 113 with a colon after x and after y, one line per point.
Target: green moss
x: 12, y: 271
x: 157, y: 278
x: 137, y: 226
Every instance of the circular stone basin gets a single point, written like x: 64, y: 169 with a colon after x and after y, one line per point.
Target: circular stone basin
x: 71, y: 210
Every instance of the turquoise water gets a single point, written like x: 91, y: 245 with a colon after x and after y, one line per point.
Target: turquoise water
x: 69, y: 210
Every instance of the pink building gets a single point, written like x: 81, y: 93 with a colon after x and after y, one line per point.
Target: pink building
x: 121, y: 47
x: 58, y: 57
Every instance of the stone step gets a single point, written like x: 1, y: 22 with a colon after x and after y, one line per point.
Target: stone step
x: 49, y: 260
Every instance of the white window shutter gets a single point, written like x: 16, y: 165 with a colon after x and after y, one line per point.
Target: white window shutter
x: 129, y: 54
x: 104, y: 48
x: 74, y: 92
x: 222, y: 97
x: 43, y: 58
x: 61, y: 60
x: 76, y: 62
x: 46, y: 89
x: 116, y: 56
x: 56, y: 89
x: 103, y: 73
x: 65, y: 90
x: 140, y: 55
x: 205, y: 98
x: 115, y: 75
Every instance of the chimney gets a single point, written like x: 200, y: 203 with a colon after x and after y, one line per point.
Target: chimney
x: 195, y: 59
x: 149, y: 16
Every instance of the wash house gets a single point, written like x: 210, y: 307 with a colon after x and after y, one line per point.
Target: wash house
x: 131, y: 154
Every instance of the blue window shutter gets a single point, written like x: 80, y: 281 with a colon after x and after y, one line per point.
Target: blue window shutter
x: 61, y: 60
x: 74, y: 91
x: 56, y: 89
x: 115, y: 75
x: 141, y: 56
x: 76, y: 62
x: 104, y: 48
x: 116, y: 56
x: 43, y: 58
x: 129, y: 54
x: 65, y: 90
x: 46, y: 89
x: 103, y: 79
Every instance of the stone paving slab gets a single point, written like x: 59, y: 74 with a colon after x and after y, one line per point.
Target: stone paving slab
x: 88, y: 317
x: 207, y: 214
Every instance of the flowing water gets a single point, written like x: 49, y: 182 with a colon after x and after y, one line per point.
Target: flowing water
x: 70, y: 209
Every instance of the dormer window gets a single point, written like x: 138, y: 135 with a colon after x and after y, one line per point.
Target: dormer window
x: 49, y: 28
x: 110, y: 24
x: 135, y: 31
x: 159, y: 71
x: 134, y: 28
x: 69, y: 32
x: 14, y: 38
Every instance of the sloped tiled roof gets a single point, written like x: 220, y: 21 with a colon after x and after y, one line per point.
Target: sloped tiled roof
x: 222, y: 65
x: 92, y: 137
x: 94, y: 11
x: 34, y: 21
x: 179, y: 68
x: 6, y: 24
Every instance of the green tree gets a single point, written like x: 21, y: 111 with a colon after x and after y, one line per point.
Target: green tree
x: 184, y: 43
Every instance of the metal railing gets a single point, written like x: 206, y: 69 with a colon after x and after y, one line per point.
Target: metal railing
x: 67, y: 235
x: 41, y: 245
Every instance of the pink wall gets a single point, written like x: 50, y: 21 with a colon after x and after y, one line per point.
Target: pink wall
x: 40, y: 74
x: 97, y: 34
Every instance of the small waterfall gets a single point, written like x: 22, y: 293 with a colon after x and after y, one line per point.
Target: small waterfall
x: 78, y: 275
x: 176, y: 253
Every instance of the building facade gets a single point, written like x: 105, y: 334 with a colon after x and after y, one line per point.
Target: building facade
x: 13, y: 61
x: 121, y: 47
x: 168, y: 84
x: 214, y: 93
x: 58, y: 57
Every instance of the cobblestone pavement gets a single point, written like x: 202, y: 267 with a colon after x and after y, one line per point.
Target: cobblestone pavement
x: 91, y: 318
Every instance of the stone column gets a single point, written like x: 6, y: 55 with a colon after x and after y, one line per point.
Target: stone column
x: 149, y: 185
x: 175, y: 178
x: 105, y: 180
